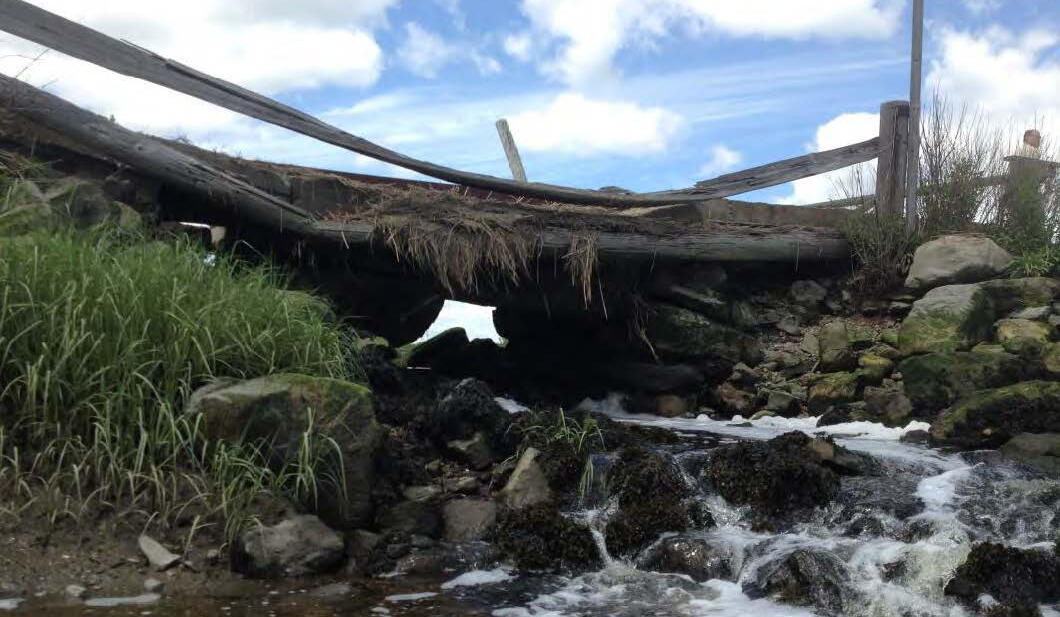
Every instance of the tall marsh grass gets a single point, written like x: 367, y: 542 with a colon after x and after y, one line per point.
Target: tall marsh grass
x: 103, y: 335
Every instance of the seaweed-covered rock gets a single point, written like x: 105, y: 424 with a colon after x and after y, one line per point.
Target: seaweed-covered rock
x: 653, y: 497
x: 934, y: 381
x: 540, y: 538
x: 989, y: 418
x: 1010, y: 575
x: 949, y: 318
x: 776, y: 476
x: 276, y: 411
x: 466, y: 409
x: 804, y: 577
x: 956, y: 259
x: 693, y: 556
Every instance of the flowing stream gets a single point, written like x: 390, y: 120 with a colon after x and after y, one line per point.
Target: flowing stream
x: 895, y: 566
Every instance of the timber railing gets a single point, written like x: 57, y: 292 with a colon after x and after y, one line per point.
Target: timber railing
x: 35, y: 24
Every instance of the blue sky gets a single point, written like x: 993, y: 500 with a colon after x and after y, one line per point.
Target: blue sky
x: 644, y: 94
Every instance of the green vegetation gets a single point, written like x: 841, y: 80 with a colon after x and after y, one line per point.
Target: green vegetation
x: 966, y: 186
x: 565, y: 438
x: 103, y: 336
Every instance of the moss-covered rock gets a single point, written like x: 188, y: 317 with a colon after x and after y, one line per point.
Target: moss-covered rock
x: 540, y: 538
x: 1022, y: 336
x: 1051, y: 360
x: 936, y: 380
x: 836, y: 352
x: 278, y: 410
x: 989, y: 418
x: 832, y: 389
x: 874, y: 368
x: 653, y: 498
x: 1011, y: 294
x: 949, y: 318
x: 682, y: 333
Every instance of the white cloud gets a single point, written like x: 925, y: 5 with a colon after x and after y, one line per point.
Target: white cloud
x: 840, y: 131
x: 265, y: 45
x: 982, y: 6
x: 590, y: 34
x: 574, y: 124
x: 425, y: 53
x: 1014, y: 78
x: 519, y: 46
x: 722, y: 159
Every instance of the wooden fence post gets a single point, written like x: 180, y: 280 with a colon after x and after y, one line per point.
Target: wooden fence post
x: 515, y: 162
x: 891, y: 166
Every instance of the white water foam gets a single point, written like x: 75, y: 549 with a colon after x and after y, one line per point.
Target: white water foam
x: 479, y: 577
x: 411, y: 597
x: 10, y: 604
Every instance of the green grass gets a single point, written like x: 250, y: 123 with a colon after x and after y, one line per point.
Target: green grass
x: 103, y: 335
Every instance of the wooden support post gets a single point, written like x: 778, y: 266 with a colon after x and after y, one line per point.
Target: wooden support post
x: 915, y: 81
x: 891, y: 166
x: 510, y: 151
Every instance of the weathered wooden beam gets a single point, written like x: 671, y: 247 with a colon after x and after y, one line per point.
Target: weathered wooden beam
x: 787, y: 170
x: 730, y: 244
x: 912, y: 213
x: 890, y: 168
x: 511, y: 151
x: 150, y: 156
x: 35, y: 24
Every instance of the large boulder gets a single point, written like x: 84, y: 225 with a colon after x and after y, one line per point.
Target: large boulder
x: 1010, y: 575
x: 277, y: 411
x: 299, y: 546
x: 804, y: 577
x: 1039, y: 449
x: 467, y: 520
x: 934, y: 381
x: 540, y: 538
x: 783, y: 474
x: 956, y: 259
x: 681, y: 333
x: 1011, y: 294
x: 653, y: 498
x: 949, y: 318
x: 989, y: 418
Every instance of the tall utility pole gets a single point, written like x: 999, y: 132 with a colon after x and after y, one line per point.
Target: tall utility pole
x: 915, y: 79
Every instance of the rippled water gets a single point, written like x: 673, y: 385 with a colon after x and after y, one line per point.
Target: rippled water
x: 897, y: 567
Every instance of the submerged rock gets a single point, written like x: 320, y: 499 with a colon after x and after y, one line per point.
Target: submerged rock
x: 277, y: 411
x: 1010, y: 575
x: 956, y: 259
x: 691, y: 555
x: 803, y: 577
x: 299, y: 546
x: 936, y: 380
x: 540, y: 538
x: 1041, y: 450
x: 989, y: 418
x: 777, y: 476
